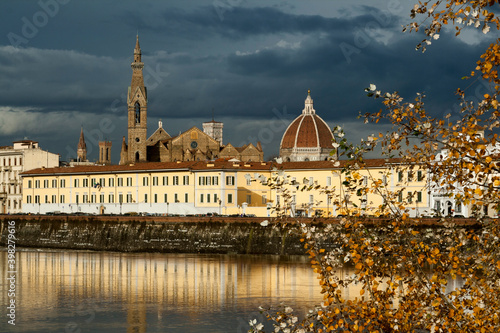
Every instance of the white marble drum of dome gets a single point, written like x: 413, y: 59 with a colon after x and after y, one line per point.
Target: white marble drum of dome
x: 308, y: 137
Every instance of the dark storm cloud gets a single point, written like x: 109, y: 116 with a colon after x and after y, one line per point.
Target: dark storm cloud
x: 252, y: 64
x: 242, y: 23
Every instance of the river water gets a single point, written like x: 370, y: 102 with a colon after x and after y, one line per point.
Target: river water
x: 83, y: 291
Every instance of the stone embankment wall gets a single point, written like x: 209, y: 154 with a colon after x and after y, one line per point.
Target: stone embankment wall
x: 238, y: 235
x: 151, y: 234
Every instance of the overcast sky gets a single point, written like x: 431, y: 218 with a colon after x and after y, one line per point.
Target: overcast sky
x: 65, y: 64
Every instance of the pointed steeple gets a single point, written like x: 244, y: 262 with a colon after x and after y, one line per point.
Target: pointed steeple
x: 137, y: 67
x: 81, y: 150
x: 137, y: 50
x: 308, y: 107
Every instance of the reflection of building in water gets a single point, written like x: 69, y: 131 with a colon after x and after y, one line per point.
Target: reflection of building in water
x: 139, y: 285
x: 189, y: 284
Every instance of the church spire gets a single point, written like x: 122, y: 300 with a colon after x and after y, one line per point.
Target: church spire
x: 81, y: 150
x: 137, y: 50
x: 137, y: 101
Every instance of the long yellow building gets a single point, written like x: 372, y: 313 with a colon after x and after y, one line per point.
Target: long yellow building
x: 220, y: 187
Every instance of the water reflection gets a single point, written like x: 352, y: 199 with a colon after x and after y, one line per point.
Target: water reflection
x: 98, y: 292
x: 117, y: 292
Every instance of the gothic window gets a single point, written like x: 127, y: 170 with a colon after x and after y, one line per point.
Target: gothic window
x: 137, y: 112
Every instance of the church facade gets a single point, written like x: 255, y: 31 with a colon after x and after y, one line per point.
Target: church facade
x: 191, y: 145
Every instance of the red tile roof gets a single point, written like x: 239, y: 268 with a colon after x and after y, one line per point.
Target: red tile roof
x: 203, y: 165
x: 307, y: 131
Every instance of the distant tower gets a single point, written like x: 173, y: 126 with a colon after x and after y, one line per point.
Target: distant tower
x: 137, y: 111
x: 105, y: 152
x: 81, y: 151
x: 214, y: 129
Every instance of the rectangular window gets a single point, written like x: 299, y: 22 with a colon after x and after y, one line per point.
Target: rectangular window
x: 229, y: 180
x: 400, y: 176
x: 101, y: 198
x: 120, y: 182
x: 54, y: 183
x: 77, y: 199
x: 145, y: 181
x: 410, y: 197
x: 208, y: 197
x: 165, y: 180
x: 264, y: 200
x: 37, y: 183
x: 63, y: 183
x: 176, y: 197
x: 419, y: 196
x: 420, y: 175
x: 328, y: 181
x: 410, y: 176
x: 311, y: 180
x: 46, y: 183
x: 400, y: 197
x: 201, y: 198
x: 54, y: 199
x: 458, y: 208
x: 384, y: 180
x: 186, y: 197
x: 215, y: 197
x: 93, y: 182
x: 145, y: 198
x: 120, y: 198
x: 249, y: 181
x: 28, y: 199
x: 165, y: 198
x: 85, y: 198
x: 155, y: 181
x: 175, y: 181
x: 111, y: 182
x: 311, y: 198
x: 215, y: 180
x: 185, y: 180
x: 156, y: 198
x: 37, y: 199
x: 93, y: 198
x: 201, y: 181
x: 229, y: 198
x: 77, y: 182
x: 111, y: 198
x: 29, y: 184
x: 365, y: 180
x: 249, y: 199
x: 129, y: 197
x: 86, y: 182
x: 129, y: 181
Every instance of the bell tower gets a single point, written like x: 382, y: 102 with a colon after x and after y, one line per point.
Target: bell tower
x: 137, y: 102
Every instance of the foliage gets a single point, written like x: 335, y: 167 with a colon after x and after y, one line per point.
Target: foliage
x: 405, y: 270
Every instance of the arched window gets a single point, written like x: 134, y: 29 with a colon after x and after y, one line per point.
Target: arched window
x: 137, y: 156
x: 137, y: 113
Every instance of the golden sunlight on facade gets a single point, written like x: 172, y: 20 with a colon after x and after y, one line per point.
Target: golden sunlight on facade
x: 218, y: 187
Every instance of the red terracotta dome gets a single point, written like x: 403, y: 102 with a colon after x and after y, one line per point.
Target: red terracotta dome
x: 307, y: 131
x: 308, y: 137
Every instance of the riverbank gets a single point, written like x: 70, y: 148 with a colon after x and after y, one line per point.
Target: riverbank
x: 187, y: 234
x: 151, y: 234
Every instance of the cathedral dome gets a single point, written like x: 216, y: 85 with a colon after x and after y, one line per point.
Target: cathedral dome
x: 308, y: 137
